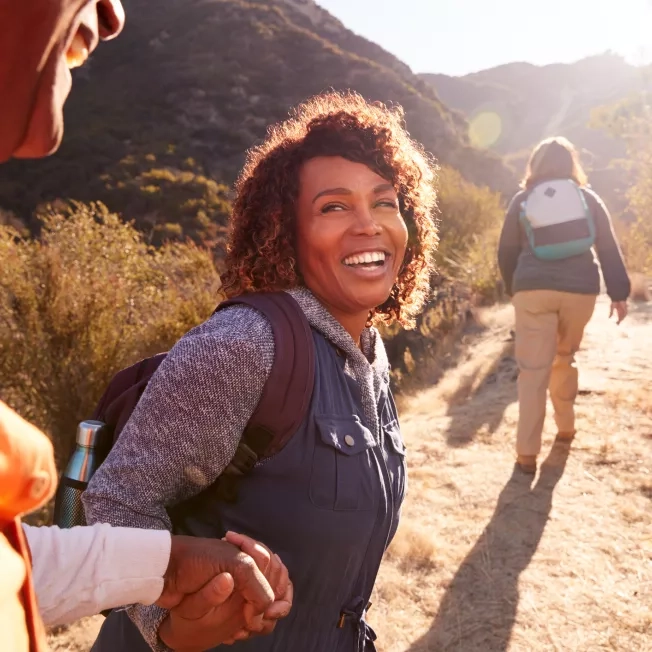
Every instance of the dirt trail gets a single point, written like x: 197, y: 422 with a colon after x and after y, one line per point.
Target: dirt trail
x: 487, y: 561
x: 490, y: 561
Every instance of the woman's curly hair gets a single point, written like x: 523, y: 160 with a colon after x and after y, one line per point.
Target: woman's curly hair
x: 261, y: 255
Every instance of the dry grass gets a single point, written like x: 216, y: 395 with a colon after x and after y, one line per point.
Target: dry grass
x: 640, y: 288
x: 634, y: 398
x: 78, y: 637
x: 490, y: 561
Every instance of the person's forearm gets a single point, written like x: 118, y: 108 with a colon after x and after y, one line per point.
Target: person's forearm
x: 509, y: 246
x: 84, y: 570
x: 610, y: 256
x: 614, y: 272
x: 507, y: 261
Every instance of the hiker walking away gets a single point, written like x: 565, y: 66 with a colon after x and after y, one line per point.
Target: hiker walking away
x: 80, y: 571
x: 334, y: 210
x: 556, y: 237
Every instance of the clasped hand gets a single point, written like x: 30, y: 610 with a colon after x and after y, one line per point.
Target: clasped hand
x: 219, y: 592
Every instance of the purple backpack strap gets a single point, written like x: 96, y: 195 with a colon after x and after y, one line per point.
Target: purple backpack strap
x: 282, y: 407
x: 283, y: 404
x: 287, y: 393
x: 123, y: 393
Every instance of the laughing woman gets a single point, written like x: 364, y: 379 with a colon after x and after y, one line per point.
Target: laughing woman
x: 335, y: 208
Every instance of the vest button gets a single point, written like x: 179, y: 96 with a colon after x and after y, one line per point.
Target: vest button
x: 349, y: 441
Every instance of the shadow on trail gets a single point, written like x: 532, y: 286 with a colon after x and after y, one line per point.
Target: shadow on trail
x: 483, y: 408
x: 478, y: 610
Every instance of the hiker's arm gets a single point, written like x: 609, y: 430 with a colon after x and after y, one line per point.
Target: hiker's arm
x: 83, y: 570
x: 613, y: 267
x: 188, y: 423
x: 184, y: 431
x: 509, y: 247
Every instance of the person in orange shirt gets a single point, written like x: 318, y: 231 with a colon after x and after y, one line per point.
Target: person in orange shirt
x: 217, y: 592
x: 27, y: 481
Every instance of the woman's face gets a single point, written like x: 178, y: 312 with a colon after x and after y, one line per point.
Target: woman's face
x: 351, y: 237
x: 35, y: 74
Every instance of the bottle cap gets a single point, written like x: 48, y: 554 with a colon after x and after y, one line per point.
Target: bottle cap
x: 90, y: 433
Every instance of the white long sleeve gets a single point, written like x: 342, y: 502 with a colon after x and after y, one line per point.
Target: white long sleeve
x: 83, y: 570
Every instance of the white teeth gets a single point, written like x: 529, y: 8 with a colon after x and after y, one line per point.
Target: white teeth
x: 77, y: 52
x: 365, y: 258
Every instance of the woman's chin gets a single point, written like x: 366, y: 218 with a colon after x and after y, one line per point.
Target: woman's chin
x: 370, y: 299
x: 42, y: 143
x: 45, y: 129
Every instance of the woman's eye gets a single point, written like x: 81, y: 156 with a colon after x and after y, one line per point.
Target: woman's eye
x: 330, y: 208
x: 388, y: 203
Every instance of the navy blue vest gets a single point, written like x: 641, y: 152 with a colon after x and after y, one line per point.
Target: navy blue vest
x: 328, y: 504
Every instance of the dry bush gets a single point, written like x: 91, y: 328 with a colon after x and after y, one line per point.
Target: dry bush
x: 417, y: 355
x: 470, y: 223
x: 413, y: 548
x: 636, y: 241
x: 640, y: 288
x: 479, y: 267
x: 85, y: 299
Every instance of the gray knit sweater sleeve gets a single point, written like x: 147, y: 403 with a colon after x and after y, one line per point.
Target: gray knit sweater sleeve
x: 184, y: 431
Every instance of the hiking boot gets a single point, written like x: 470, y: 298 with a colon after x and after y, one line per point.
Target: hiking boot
x: 527, y: 463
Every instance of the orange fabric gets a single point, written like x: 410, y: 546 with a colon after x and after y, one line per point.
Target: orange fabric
x: 27, y: 481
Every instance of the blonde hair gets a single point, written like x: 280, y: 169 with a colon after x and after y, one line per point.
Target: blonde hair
x: 554, y: 158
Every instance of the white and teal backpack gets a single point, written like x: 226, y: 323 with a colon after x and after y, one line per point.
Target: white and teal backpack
x: 557, y: 220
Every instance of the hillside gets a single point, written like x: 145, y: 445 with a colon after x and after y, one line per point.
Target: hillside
x: 534, y: 102
x: 537, y: 101
x: 189, y: 87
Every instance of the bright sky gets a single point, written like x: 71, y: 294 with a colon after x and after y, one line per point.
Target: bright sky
x: 461, y: 36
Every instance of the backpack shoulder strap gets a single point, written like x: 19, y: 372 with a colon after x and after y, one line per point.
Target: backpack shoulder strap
x: 288, y: 390
x: 123, y: 393
x: 282, y: 407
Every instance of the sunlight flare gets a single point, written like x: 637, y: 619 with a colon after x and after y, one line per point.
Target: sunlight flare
x: 485, y: 129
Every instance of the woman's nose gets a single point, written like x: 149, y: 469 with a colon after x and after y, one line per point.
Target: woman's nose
x: 111, y: 18
x: 366, y: 223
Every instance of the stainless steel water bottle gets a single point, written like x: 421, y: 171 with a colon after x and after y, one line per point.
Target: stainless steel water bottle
x: 91, y: 445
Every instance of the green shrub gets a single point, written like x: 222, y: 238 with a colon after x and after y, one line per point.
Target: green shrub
x: 636, y: 242
x: 85, y: 299
x: 631, y: 120
x: 470, y: 223
x: 170, y: 203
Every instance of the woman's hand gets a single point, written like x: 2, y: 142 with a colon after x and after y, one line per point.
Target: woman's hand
x: 620, y: 308
x: 278, y: 577
x: 195, y: 562
x: 184, y: 630
x: 223, y: 612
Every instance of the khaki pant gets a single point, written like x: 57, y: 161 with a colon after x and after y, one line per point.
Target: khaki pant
x: 549, y: 330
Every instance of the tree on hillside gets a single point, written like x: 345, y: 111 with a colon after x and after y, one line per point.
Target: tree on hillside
x: 631, y: 120
x: 172, y: 200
